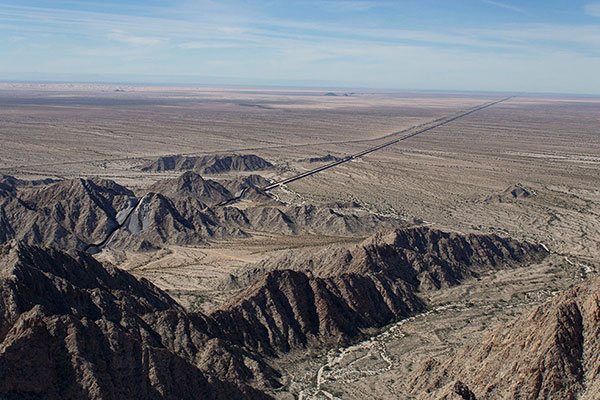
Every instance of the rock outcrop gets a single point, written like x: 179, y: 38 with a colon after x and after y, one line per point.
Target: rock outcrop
x: 512, y: 193
x: 72, y: 328
x: 553, y: 352
x: 212, y: 164
x: 334, y: 296
x: 67, y: 214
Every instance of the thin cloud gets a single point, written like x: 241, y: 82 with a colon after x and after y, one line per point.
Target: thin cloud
x: 592, y: 9
x: 123, y: 37
x: 504, y: 5
x: 206, y: 45
x: 353, y: 5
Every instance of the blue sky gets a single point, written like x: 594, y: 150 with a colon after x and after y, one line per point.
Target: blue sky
x: 500, y: 45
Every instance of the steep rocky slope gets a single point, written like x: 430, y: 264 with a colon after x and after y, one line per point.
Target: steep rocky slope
x: 288, y: 309
x: 86, y: 207
x: 182, y: 211
x: 423, y: 257
x: 430, y: 258
x: 67, y: 214
x: 72, y: 328
x: 212, y: 164
x: 191, y: 184
x: 335, y: 295
x: 551, y: 353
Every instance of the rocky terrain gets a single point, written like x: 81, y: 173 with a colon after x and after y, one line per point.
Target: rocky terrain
x: 212, y: 164
x: 513, y: 192
x: 335, y: 296
x: 72, y: 328
x: 551, y: 352
x: 50, y: 298
x: 422, y: 257
x: 66, y: 214
x: 76, y: 213
x: 282, y: 291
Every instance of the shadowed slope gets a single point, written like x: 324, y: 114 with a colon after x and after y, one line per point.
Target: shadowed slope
x: 71, y: 328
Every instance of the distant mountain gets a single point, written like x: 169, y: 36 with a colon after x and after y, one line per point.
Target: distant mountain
x: 191, y: 184
x: 212, y: 164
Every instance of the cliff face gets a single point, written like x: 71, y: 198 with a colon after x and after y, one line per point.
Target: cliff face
x: 72, y: 328
x: 553, y: 352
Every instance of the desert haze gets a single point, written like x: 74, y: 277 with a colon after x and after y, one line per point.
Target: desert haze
x: 147, y: 251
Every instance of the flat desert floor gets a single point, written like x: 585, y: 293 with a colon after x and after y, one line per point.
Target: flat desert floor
x: 451, y: 177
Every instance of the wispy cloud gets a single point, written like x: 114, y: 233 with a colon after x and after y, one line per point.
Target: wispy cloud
x: 210, y: 32
x: 592, y: 9
x: 207, y: 45
x: 352, y: 5
x: 124, y: 37
x: 504, y: 5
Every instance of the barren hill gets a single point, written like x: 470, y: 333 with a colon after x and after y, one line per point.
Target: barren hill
x: 72, y: 328
x: 212, y: 164
x: 67, y: 214
x: 78, y: 212
x: 191, y: 184
x: 511, y: 193
x: 553, y: 352
x: 377, y: 282
x: 424, y: 257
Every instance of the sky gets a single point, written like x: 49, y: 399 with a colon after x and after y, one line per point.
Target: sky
x: 479, y: 45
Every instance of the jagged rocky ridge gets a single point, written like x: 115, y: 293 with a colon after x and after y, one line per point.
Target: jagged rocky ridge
x: 51, y: 300
x: 78, y: 212
x: 211, y: 164
x: 67, y: 214
x: 334, y: 296
x: 72, y: 328
x: 553, y: 352
x: 423, y: 257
